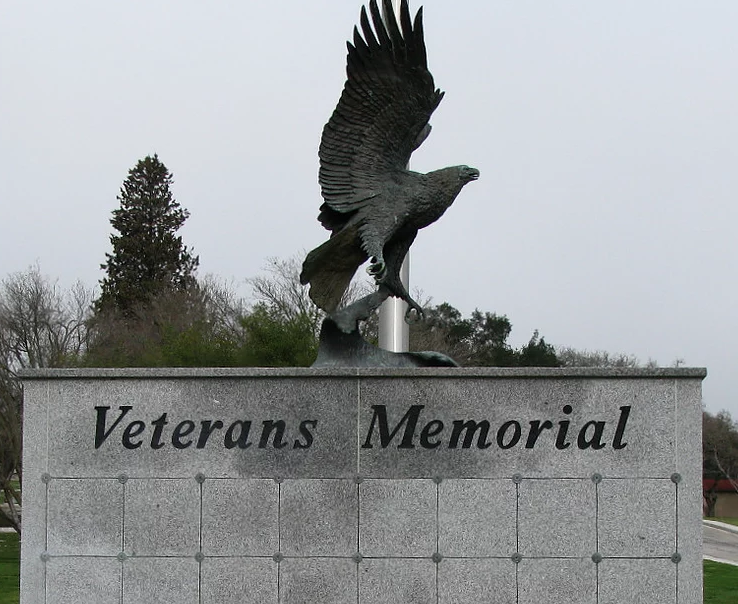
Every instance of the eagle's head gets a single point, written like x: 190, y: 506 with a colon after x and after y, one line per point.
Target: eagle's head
x: 467, y: 174
x: 452, y: 180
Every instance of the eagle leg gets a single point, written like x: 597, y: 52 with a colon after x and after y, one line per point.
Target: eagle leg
x: 375, y: 235
x: 347, y: 318
x: 396, y: 251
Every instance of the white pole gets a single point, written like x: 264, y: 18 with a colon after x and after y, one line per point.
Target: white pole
x: 394, y: 333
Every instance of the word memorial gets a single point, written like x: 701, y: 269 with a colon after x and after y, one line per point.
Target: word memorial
x: 508, y: 435
x: 362, y: 486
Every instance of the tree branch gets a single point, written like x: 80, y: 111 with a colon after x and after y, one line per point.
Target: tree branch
x: 733, y: 483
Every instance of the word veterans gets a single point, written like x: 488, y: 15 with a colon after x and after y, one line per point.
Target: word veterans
x: 185, y: 434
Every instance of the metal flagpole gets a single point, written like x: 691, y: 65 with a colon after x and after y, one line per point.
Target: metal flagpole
x: 394, y: 333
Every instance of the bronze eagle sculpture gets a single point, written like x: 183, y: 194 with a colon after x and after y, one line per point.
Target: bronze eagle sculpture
x: 373, y: 205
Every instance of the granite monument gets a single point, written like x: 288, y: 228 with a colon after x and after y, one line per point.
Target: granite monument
x: 364, y: 486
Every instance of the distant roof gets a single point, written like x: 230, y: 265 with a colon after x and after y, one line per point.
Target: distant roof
x: 720, y: 486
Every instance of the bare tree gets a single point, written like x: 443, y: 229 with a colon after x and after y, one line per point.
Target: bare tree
x: 224, y: 307
x: 719, y: 454
x: 279, y: 288
x: 41, y: 325
x: 571, y: 357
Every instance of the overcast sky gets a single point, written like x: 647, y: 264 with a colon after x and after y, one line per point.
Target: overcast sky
x: 606, y: 134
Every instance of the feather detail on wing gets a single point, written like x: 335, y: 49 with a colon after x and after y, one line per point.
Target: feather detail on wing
x: 383, y: 112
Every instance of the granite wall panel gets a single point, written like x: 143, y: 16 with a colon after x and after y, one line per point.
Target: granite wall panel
x: 366, y: 486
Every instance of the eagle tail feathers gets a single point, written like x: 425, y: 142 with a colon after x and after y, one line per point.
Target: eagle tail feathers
x: 330, y: 267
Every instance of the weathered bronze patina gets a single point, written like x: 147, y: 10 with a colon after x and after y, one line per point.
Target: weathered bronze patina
x: 373, y: 205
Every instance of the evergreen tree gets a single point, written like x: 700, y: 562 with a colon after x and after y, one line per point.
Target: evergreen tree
x: 479, y: 341
x: 148, y: 257
x: 538, y: 353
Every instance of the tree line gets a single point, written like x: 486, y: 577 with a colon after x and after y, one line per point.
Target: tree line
x: 152, y: 310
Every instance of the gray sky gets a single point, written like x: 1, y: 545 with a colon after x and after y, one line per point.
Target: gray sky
x: 606, y: 134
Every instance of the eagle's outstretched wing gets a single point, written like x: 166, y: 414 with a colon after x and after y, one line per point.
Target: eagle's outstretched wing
x: 383, y: 112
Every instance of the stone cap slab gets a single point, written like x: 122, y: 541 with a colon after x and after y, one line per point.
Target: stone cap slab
x: 410, y: 372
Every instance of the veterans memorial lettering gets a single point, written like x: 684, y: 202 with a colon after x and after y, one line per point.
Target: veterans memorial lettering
x: 408, y: 433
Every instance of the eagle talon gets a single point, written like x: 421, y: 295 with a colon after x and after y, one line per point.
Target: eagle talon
x: 414, y: 314
x: 377, y: 269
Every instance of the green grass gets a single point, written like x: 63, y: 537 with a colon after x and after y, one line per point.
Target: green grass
x: 9, y: 568
x: 721, y: 583
x: 733, y: 521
